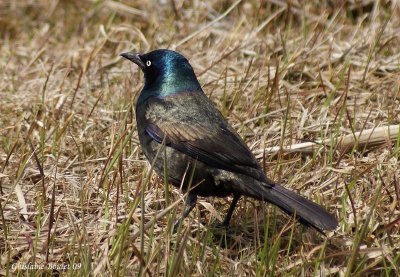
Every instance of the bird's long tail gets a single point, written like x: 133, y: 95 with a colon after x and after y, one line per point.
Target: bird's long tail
x: 308, y: 212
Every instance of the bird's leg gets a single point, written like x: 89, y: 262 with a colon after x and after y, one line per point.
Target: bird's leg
x: 190, y: 202
x: 232, y: 207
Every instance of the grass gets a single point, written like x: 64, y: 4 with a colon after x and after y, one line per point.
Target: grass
x: 77, y: 196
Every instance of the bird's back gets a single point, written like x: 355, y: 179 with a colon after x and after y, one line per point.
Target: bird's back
x: 193, y: 126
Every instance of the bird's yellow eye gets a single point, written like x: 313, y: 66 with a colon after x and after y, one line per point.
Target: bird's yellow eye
x: 148, y: 63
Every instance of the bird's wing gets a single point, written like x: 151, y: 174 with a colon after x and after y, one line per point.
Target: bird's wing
x: 192, y: 125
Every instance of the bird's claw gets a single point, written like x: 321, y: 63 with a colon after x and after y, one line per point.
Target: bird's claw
x: 222, y: 225
x: 176, y: 226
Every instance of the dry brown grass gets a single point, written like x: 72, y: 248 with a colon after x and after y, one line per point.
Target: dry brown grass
x: 74, y: 184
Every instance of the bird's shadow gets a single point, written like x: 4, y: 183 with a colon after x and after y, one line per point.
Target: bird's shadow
x: 237, y: 236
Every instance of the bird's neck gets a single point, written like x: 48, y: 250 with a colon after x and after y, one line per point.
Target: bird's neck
x: 169, y: 84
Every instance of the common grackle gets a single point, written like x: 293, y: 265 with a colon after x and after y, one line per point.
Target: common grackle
x: 203, y: 154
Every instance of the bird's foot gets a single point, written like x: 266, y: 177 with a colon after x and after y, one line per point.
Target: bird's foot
x: 221, y: 225
x: 176, y: 225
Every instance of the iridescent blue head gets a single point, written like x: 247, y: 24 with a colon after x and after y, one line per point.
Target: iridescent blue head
x: 166, y: 72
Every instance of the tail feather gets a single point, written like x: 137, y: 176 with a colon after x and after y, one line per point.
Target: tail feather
x: 308, y: 212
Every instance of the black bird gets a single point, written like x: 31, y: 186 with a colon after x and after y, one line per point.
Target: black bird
x: 203, y: 153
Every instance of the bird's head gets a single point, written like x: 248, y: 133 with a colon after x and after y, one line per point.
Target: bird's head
x: 166, y: 72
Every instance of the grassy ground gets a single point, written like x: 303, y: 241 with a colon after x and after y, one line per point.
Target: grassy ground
x: 77, y: 196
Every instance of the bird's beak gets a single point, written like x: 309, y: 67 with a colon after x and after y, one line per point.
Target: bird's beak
x: 134, y: 57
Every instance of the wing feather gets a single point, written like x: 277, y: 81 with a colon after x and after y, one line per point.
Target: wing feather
x: 207, y: 138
